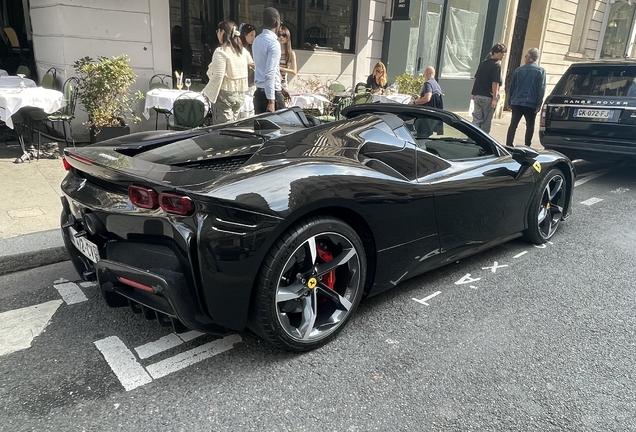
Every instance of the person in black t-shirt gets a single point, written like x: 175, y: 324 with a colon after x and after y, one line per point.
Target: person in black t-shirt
x: 485, y: 93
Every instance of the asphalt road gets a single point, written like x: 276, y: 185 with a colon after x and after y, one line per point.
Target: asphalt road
x: 516, y: 338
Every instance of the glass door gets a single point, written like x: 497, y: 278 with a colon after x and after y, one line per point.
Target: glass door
x: 426, y: 26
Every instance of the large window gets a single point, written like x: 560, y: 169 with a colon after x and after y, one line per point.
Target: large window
x: 314, y: 24
x: 618, y: 33
x: 465, y: 26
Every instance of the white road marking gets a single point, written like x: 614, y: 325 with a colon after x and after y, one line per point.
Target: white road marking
x: 152, y: 348
x: 494, y: 267
x: 88, y: 284
x: 190, y: 357
x: 466, y: 279
x: 473, y: 286
x: 591, y: 201
x: 188, y: 336
x: 123, y: 363
x: 541, y: 246
x: 62, y: 280
x: 520, y: 254
x: 70, y: 293
x: 423, y: 301
x: 19, y: 327
x: 590, y: 176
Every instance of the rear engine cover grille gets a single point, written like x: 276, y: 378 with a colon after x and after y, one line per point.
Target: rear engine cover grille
x: 228, y: 165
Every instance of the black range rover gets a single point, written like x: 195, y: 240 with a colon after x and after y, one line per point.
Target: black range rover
x: 591, y: 113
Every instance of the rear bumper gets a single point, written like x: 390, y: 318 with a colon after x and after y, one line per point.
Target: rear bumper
x: 572, y: 144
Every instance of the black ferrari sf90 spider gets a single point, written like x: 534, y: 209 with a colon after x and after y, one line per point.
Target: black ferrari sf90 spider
x: 281, y: 224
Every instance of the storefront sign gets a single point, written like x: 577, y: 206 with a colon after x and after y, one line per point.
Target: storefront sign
x: 401, y: 9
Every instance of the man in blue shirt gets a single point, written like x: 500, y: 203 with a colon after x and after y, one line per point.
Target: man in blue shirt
x: 266, y: 52
x: 526, y: 91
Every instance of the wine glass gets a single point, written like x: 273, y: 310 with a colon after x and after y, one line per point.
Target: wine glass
x: 188, y: 83
x: 22, y: 84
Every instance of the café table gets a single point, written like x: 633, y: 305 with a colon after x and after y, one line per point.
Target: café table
x: 165, y: 98
x: 392, y: 98
x: 13, y: 99
x: 304, y: 100
x: 15, y: 81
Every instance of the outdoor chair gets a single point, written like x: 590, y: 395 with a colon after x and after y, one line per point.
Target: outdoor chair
x: 23, y: 70
x: 336, y: 87
x: 188, y: 112
x: 161, y: 81
x: 337, y: 112
x: 362, y: 98
x: 361, y: 87
x: 48, y: 80
x: 65, y: 115
x: 197, y: 87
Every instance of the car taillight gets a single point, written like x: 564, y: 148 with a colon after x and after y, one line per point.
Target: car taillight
x: 79, y: 158
x: 176, y: 204
x: 544, y: 110
x: 134, y: 284
x: 143, y: 197
x: 67, y: 166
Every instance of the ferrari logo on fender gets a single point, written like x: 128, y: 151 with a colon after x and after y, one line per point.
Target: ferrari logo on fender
x: 537, y: 166
x: 311, y: 283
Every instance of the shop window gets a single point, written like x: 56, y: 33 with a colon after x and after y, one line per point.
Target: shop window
x: 465, y: 28
x: 314, y: 24
x: 618, y: 30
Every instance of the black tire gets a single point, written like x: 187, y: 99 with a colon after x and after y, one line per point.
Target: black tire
x: 546, y: 207
x: 294, y: 308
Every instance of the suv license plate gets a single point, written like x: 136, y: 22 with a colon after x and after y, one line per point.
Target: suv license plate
x: 593, y: 113
x: 85, y: 246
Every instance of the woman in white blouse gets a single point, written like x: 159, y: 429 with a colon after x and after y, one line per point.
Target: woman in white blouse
x: 228, y: 74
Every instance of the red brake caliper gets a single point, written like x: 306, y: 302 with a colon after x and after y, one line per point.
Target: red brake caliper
x: 330, y: 278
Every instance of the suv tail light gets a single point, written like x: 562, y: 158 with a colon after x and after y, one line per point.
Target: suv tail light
x: 176, y: 204
x: 143, y: 197
x: 544, y: 110
x: 67, y: 166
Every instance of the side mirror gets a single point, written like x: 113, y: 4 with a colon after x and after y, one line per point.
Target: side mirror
x: 525, y: 156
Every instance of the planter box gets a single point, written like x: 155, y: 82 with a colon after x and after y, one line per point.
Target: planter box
x: 109, y: 132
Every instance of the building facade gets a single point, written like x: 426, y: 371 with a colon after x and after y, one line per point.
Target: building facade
x: 569, y: 31
x: 333, y: 39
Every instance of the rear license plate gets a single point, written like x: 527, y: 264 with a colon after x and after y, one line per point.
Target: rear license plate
x: 593, y: 113
x: 85, y: 246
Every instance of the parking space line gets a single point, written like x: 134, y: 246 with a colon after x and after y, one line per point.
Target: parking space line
x: 70, y: 293
x: 19, y: 327
x: 190, y: 357
x: 160, y: 345
x: 590, y: 176
x: 123, y: 363
x: 591, y: 201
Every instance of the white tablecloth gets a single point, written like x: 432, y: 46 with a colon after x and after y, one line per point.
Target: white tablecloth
x: 165, y: 98
x: 308, y: 101
x: 14, y: 81
x: 12, y: 99
x: 395, y: 98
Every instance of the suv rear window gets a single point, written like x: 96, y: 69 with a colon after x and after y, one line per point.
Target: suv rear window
x: 598, y: 81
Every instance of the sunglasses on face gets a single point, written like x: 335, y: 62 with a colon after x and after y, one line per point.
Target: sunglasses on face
x: 282, y: 35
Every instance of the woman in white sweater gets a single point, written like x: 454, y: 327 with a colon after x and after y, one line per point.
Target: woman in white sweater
x: 228, y: 74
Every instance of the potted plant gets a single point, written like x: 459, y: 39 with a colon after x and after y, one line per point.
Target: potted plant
x: 104, y: 91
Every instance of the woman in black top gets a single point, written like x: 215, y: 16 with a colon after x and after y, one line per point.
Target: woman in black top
x: 378, y: 79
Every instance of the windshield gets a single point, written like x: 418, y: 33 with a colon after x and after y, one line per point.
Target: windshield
x: 598, y: 81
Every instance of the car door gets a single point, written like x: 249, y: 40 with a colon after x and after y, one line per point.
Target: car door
x: 477, y: 197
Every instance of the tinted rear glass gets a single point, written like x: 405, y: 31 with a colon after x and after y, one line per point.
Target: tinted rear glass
x: 598, y: 81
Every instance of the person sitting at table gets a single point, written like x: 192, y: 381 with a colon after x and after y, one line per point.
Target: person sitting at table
x: 228, y: 74
x: 287, y: 56
x: 378, y: 79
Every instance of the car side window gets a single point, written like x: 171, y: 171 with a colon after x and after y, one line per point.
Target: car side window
x: 445, y: 141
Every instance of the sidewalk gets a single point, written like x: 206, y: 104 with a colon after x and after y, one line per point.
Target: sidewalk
x: 30, y: 209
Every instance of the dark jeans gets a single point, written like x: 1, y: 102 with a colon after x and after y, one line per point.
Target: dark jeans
x: 260, y: 101
x: 517, y: 112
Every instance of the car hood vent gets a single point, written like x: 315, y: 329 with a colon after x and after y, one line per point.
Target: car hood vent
x: 228, y: 165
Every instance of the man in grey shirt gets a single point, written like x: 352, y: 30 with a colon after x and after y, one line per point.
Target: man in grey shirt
x: 266, y: 52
